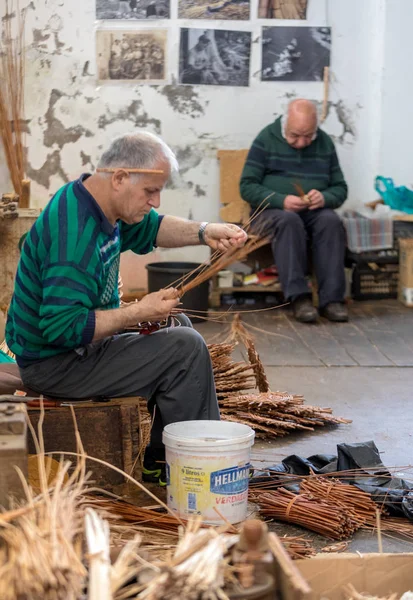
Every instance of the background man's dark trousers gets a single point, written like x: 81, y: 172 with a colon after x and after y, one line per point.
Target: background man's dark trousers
x: 291, y: 232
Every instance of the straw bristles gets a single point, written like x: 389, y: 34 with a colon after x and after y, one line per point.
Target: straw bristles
x: 41, y: 556
x: 12, y: 67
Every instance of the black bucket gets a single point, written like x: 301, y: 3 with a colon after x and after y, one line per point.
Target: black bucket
x: 162, y: 274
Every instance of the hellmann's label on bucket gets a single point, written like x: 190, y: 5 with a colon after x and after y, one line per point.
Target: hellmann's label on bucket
x: 199, y: 486
x: 230, y: 481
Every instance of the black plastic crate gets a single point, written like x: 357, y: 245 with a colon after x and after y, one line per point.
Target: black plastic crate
x: 378, y: 282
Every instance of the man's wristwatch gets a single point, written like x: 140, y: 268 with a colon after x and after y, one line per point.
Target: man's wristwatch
x: 201, y: 233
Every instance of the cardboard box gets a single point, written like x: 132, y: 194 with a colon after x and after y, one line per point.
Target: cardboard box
x: 376, y: 574
x: 406, y: 272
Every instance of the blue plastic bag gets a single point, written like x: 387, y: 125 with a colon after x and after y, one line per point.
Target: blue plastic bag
x: 398, y: 198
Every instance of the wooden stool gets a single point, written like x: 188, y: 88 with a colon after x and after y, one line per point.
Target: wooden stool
x: 109, y: 431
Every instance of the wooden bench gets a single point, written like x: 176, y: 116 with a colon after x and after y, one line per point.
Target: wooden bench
x: 235, y: 210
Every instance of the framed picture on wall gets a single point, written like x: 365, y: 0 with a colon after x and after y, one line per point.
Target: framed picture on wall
x: 282, y: 9
x: 132, y: 9
x: 214, y: 57
x: 295, y: 53
x: 221, y: 9
x: 138, y: 56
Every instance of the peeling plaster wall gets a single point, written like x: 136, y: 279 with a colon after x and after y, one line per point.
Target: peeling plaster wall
x: 71, y: 117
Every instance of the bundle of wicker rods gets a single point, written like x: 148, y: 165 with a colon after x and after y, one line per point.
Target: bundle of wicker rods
x: 346, y: 495
x: 322, y: 516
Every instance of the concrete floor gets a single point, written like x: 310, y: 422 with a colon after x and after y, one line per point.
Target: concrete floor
x: 379, y: 399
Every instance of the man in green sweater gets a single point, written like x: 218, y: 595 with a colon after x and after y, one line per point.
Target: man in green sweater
x: 293, y: 166
x: 65, y: 325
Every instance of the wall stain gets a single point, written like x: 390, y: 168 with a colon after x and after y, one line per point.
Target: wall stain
x: 199, y: 191
x: 188, y: 157
x: 51, y: 166
x: 39, y: 37
x: 344, y: 117
x: 134, y: 113
x: 56, y: 132
x: 85, y: 71
x: 86, y: 159
x: 183, y: 99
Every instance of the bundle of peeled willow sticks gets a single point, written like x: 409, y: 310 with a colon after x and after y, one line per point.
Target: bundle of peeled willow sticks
x: 322, y: 516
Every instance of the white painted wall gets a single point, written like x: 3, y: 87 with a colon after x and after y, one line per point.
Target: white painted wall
x: 71, y: 118
x: 395, y: 157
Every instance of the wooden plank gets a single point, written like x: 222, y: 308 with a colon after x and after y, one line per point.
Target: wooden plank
x: 101, y: 427
x: 380, y: 330
x: 235, y: 210
x: 319, y: 339
x: 10, y: 233
x: 357, y: 345
x: 13, y: 453
x: 277, y: 342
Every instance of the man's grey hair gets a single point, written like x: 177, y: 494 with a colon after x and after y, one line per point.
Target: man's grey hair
x: 140, y: 150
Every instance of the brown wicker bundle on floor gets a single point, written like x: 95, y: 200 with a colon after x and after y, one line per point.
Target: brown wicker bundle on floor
x: 319, y: 515
x: 344, y: 494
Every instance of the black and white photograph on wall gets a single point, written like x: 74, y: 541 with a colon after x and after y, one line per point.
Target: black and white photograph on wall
x: 214, y: 9
x: 295, y: 53
x: 132, y: 55
x: 132, y: 9
x: 214, y: 57
x: 282, y: 9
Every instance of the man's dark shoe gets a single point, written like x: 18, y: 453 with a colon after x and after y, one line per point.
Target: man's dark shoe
x: 154, y: 467
x: 335, y: 311
x: 304, y: 311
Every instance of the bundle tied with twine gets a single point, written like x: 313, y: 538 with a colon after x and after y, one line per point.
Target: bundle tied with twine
x: 327, y: 496
x: 322, y: 516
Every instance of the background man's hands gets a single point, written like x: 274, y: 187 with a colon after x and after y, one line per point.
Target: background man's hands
x: 316, y: 199
x: 294, y: 203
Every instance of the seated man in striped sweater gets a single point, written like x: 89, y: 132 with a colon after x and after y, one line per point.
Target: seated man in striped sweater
x: 64, y: 323
x: 294, y: 154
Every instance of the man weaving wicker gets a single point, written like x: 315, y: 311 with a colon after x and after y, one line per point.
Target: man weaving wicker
x: 64, y: 323
x: 294, y: 166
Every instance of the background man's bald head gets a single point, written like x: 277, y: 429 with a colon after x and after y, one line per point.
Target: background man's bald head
x: 301, y: 122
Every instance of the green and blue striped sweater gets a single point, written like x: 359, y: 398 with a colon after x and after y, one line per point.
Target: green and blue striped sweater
x: 273, y: 165
x: 69, y: 267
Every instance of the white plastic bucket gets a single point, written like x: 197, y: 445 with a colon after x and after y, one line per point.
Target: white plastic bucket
x: 207, y: 467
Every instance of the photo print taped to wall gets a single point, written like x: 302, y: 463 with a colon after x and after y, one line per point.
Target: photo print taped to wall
x: 132, y: 9
x: 214, y: 9
x: 214, y: 57
x: 138, y: 56
x: 295, y: 53
x: 282, y: 9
